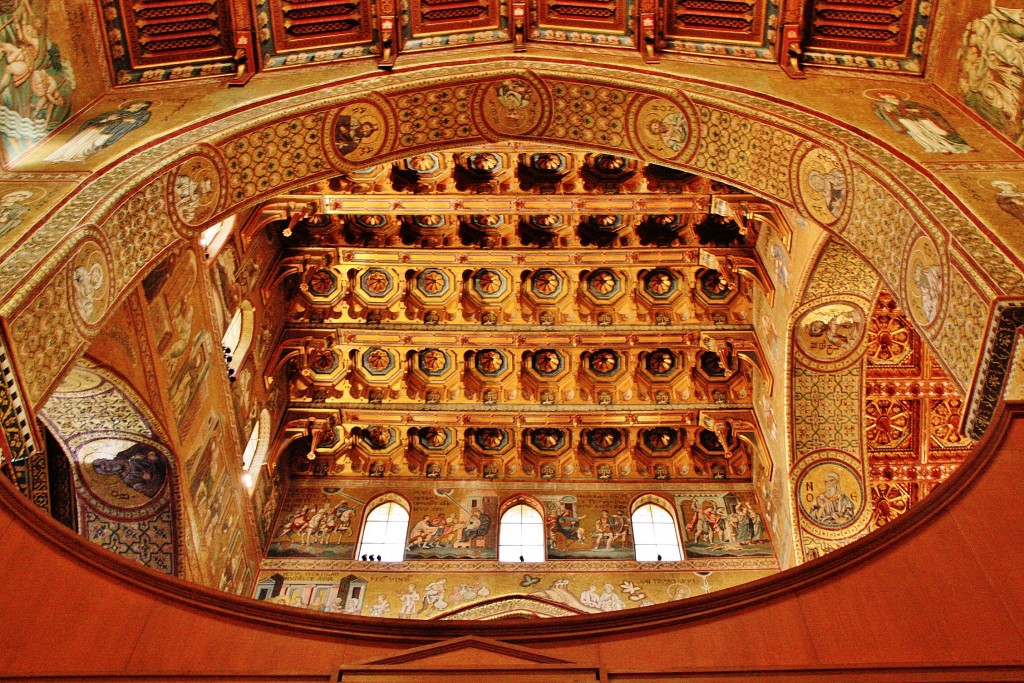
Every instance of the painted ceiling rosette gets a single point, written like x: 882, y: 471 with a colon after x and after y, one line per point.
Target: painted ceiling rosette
x: 488, y: 283
x: 547, y: 283
x: 547, y: 362
x: 660, y: 362
x: 433, y: 283
x: 661, y: 283
x: 490, y: 362
x: 377, y: 361
x: 376, y: 283
x: 604, y: 284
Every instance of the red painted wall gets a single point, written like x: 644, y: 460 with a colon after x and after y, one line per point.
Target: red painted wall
x: 939, y: 587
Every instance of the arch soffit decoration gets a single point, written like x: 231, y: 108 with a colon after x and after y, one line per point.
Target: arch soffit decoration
x: 135, y: 424
x: 706, y: 129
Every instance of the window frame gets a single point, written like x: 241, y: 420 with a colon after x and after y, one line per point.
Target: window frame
x: 399, y: 540
x: 542, y: 543
x: 669, y: 509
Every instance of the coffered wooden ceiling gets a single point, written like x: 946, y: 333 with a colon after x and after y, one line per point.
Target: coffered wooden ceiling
x: 522, y: 314
x: 152, y: 40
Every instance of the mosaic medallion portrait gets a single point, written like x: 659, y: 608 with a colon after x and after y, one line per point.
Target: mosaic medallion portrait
x: 829, y: 333
x: 662, y: 128
x: 823, y: 185
x: 924, y: 282
x: 831, y: 495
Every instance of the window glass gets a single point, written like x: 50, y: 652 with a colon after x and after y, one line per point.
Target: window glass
x: 654, y: 534
x: 521, y: 535
x: 383, y: 532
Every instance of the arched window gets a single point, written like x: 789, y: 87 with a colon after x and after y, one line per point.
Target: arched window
x: 256, y: 450
x: 214, y: 237
x: 384, y: 533
x: 521, y: 535
x: 654, y: 534
x: 238, y: 337
x: 250, y: 452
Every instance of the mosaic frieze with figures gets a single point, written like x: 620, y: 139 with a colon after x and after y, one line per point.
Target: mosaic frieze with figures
x: 367, y: 590
x: 451, y: 542
x: 724, y: 525
x: 321, y: 520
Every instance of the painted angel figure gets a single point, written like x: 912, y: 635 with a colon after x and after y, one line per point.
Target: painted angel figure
x: 102, y: 131
x: 925, y: 125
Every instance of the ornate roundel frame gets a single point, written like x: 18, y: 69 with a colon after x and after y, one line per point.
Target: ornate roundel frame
x: 925, y: 281
x: 830, y: 333
x: 514, y: 105
x: 663, y: 128
x: 197, y: 188
x: 831, y: 496
x: 121, y: 508
x: 822, y: 179
x: 89, y: 287
x: 352, y: 146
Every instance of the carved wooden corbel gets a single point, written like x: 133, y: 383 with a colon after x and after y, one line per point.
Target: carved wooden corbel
x: 386, y: 30
x: 648, y: 31
x: 518, y: 25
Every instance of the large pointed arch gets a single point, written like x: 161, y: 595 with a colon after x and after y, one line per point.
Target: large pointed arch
x: 728, y: 134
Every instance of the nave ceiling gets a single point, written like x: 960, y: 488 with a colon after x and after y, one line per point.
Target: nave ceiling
x: 525, y: 343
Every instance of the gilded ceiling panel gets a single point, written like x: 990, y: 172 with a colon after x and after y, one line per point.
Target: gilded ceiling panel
x: 886, y: 35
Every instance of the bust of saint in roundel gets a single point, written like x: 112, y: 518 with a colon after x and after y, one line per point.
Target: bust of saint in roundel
x: 359, y: 131
x: 140, y: 467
